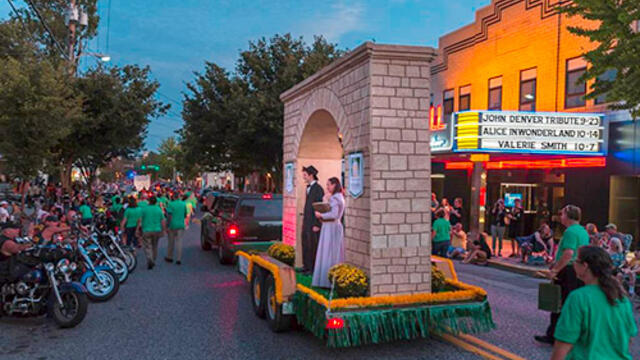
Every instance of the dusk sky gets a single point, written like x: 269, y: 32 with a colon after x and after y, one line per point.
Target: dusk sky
x: 176, y: 37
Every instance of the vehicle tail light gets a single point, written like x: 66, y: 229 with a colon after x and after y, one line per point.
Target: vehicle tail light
x: 267, y: 196
x: 232, y: 231
x: 335, y: 323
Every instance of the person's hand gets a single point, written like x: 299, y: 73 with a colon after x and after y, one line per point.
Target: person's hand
x: 552, y: 274
x: 318, y: 215
x: 315, y: 229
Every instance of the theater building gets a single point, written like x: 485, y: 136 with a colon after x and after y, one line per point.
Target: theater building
x: 509, y: 120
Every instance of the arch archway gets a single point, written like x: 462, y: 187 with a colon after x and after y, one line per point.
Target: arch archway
x: 319, y: 146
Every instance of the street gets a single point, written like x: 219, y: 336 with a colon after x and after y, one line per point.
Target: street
x: 201, y: 310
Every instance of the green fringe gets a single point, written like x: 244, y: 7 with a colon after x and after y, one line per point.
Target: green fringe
x: 392, y: 324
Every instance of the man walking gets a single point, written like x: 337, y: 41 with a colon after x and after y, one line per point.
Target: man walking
x: 178, y: 216
x: 153, y: 225
x: 310, y: 224
x: 562, y: 272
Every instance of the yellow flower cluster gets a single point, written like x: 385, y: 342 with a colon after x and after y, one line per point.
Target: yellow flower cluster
x: 282, y: 252
x: 350, y: 281
x: 438, y: 280
x: 466, y: 293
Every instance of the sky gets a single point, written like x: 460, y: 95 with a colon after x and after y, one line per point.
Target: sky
x: 176, y: 37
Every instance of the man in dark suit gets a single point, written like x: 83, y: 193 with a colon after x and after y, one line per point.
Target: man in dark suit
x: 310, y: 224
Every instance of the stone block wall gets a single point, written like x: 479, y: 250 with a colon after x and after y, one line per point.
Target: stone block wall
x: 378, y: 96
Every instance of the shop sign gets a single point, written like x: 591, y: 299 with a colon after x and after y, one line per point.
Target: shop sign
x: 356, y: 174
x: 529, y: 132
x: 288, y: 177
x: 440, y: 128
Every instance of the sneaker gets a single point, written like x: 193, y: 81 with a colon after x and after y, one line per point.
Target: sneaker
x: 544, y: 339
x: 167, y: 259
x: 150, y: 265
x: 178, y: 262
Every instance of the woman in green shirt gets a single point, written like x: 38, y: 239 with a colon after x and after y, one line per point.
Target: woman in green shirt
x: 597, y: 320
x: 130, y: 222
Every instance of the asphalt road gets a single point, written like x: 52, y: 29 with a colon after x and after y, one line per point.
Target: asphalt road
x: 201, y: 310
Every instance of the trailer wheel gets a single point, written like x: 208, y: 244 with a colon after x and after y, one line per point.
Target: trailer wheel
x: 257, y: 292
x: 277, y: 321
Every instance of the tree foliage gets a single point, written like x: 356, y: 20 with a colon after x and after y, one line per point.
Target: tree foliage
x: 117, y: 105
x: 234, y: 121
x: 618, y: 49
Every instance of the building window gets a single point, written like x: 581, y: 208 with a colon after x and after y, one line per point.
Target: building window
x: 495, y: 93
x: 464, y: 101
x: 608, y: 75
x: 575, y: 90
x: 528, y: 89
x: 447, y: 104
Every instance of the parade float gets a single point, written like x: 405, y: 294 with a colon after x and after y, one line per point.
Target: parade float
x: 365, y: 116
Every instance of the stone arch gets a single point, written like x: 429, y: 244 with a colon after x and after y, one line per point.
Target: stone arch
x: 322, y: 99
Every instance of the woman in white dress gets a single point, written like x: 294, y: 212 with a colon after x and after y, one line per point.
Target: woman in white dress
x: 331, y: 244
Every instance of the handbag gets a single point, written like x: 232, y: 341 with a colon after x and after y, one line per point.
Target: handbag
x: 550, y: 297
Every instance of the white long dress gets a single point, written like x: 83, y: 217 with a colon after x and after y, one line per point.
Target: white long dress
x: 331, y: 243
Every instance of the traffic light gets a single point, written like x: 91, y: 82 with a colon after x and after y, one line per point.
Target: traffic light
x: 143, y: 167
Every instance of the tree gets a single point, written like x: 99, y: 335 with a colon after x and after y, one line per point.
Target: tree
x: 234, y: 121
x: 169, y: 151
x: 117, y: 105
x: 618, y: 49
x: 35, y: 100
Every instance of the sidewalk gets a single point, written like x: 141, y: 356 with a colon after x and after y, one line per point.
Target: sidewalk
x: 513, y: 264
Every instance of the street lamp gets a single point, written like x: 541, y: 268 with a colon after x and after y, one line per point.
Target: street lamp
x: 101, y: 57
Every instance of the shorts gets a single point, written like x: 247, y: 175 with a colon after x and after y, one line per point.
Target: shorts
x: 451, y: 249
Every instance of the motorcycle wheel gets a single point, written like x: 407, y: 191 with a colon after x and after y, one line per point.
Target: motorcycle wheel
x: 104, y: 292
x: 74, y: 310
x: 131, y: 260
x: 121, y: 269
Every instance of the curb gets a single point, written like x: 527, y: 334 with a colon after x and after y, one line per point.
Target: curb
x: 514, y: 268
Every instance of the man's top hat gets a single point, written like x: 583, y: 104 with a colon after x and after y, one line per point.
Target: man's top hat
x: 310, y: 170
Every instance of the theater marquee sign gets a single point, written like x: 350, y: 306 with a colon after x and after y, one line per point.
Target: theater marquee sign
x: 528, y: 132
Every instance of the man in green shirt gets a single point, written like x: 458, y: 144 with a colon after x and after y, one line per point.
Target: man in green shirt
x: 441, y: 234
x: 163, y: 201
x: 562, y: 272
x: 178, y: 216
x: 153, y: 225
x: 85, y: 212
x: 129, y: 223
x: 143, y: 200
x: 116, y: 209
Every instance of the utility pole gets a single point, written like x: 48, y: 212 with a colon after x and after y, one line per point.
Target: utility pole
x: 73, y: 18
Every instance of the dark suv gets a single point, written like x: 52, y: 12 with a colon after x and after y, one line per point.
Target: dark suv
x: 242, y: 222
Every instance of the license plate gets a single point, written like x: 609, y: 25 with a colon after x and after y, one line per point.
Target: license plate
x: 243, y: 265
x: 287, y: 308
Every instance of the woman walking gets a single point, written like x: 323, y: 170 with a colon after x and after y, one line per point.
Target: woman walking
x: 597, y: 319
x: 331, y: 243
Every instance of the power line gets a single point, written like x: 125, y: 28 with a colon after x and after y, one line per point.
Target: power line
x: 24, y: 26
x: 168, y: 98
x: 47, y: 29
x: 108, y: 24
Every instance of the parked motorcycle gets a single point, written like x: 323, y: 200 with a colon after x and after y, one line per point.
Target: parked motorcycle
x: 101, y: 282
x: 38, y: 281
x: 100, y: 256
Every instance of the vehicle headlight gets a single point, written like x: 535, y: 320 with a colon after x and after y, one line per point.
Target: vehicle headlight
x: 63, y: 265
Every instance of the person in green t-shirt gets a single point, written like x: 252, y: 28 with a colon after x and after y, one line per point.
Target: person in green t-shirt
x: 129, y: 223
x: 441, y: 234
x: 597, y: 319
x: 116, y: 210
x: 85, y: 212
x: 142, y: 202
x: 562, y: 273
x: 178, y: 216
x: 153, y: 225
x: 163, y: 201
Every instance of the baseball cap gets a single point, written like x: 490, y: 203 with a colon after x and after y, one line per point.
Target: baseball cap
x: 611, y: 226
